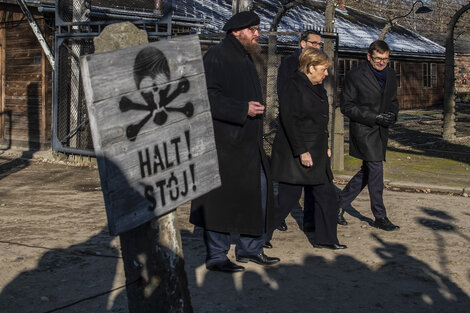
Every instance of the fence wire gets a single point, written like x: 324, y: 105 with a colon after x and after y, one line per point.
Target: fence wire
x: 73, y: 131
x: 72, y: 121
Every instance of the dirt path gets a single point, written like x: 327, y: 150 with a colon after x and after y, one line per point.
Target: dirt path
x: 55, y: 252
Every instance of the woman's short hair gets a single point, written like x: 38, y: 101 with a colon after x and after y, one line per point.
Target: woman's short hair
x: 312, y: 56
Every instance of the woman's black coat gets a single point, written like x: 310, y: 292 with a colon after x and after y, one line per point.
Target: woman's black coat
x: 362, y: 100
x: 232, y: 81
x: 303, y: 112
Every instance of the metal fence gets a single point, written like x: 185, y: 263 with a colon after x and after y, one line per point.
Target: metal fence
x: 75, y: 30
x: 71, y: 132
x: 70, y: 124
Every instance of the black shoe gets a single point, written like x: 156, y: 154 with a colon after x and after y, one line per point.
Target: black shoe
x: 261, y: 259
x: 335, y: 246
x: 385, y: 224
x: 340, y: 219
x: 267, y: 245
x: 308, y: 227
x: 282, y: 226
x: 227, y: 267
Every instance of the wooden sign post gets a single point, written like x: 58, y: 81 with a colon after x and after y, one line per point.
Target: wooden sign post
x: 152, y: 133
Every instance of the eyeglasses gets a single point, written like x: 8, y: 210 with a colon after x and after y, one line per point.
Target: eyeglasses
x: 377, y: 59
x: 254, y: 29
x: 314, y: 43
x: 320, y: 68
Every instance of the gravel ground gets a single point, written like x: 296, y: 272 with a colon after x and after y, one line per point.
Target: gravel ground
x: 56, y: 254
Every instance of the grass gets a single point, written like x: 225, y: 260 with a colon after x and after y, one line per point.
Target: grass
x: 422, y: 113
x: 417, y: 167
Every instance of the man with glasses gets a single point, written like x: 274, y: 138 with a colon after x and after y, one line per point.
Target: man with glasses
x: 369, y: 100
x: 243, y: 204
x: 290, y: 63
x: 288, y: 67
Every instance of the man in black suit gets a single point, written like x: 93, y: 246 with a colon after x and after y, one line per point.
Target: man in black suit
x: 369, y: 99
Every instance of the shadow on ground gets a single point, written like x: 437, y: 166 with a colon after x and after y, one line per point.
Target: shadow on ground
x: 63, y: 281
x: 320, y: 282
x: 397, y: 282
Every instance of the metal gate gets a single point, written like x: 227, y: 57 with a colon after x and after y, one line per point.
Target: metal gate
x: 75, y: 30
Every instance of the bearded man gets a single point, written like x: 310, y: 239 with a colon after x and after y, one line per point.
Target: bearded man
x: 243, y: 204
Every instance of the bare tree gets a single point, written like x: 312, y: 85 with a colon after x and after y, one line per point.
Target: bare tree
x: 271, y: 107
x: 432, y: 25
x: 392, y: 18
x: 392, y: 11
x: 448, y: 127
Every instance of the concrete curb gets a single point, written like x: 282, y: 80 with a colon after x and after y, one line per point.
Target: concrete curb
x: 51, y: 157
x: 410, y: 186
x: 426, y: 187
x: 28, y: 155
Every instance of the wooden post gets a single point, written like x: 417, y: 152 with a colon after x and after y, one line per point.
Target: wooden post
x: 152, y: 252
x: 2, y: 81
x: 154, y: 266
x: 336, y: 118
x: 241, y: 5
x: 271, y: 95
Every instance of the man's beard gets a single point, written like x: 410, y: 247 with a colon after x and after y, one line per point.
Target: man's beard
x: 252, y: 48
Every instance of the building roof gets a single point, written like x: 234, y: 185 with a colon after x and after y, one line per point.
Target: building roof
x: 356, y: 29
x: 461, y: 43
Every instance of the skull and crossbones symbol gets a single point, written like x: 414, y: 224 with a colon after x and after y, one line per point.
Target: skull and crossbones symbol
x: 151, y: 62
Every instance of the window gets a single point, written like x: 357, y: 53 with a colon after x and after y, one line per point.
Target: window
x: 397, y: 67
x: 434, y: 75
x: 429, y: 75
x: 341, y: 72
x: 344, y: 66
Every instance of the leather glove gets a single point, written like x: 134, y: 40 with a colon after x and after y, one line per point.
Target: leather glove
x: 393, y: 116
x: 385, y: 119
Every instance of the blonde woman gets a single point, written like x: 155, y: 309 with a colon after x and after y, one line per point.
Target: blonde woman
x: 300, y: 155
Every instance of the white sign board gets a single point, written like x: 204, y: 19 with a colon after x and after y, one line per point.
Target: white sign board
x: 152, y: 128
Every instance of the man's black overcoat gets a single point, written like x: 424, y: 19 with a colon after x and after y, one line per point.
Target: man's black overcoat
x: 288, y: 67
x: 303, y: 111
x: 362, y: 100
x: 232, y: 81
